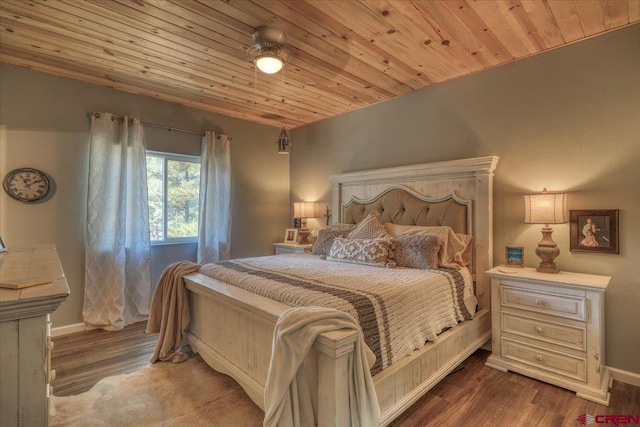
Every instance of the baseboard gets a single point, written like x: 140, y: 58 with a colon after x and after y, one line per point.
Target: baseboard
x: 625, y: 376
x: 67, y: 329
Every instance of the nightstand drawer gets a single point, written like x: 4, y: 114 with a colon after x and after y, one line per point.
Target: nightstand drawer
x: 570, y: 307
x: 565, y: 335
x: 572, y: 367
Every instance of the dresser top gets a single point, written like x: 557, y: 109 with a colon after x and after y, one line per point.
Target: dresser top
x: 32, y: 261
x: 562, y: 278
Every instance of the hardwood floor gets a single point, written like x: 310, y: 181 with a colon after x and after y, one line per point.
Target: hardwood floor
x: 83, y: 358
x: 474, y: 395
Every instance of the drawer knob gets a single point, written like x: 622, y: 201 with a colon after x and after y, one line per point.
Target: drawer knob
x: 539, y: 302
x: 538, y: 329
x: 539, y: 358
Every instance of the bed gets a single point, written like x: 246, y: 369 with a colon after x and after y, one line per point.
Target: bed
x: 232, y: 328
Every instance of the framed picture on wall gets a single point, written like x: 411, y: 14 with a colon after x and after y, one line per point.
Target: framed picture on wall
x: 514, y: 256
x: 291, y: 235
x: 594, y: 231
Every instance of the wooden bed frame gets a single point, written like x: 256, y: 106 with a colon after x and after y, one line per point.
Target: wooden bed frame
x: 232, y: 328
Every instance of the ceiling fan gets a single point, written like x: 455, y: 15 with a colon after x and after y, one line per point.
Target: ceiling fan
x: 269, y: 54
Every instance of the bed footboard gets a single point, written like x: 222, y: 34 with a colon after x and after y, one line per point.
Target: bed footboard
x: 232, y: 330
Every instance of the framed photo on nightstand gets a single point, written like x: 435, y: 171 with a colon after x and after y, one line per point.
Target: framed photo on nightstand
x: 291, y: 235
x: 514, y: 256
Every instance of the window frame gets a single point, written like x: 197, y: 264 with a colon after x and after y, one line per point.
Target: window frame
x: 166, y: 156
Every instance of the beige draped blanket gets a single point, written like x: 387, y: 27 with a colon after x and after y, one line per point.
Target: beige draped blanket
x: 287, y: 396
x: 169, y: 312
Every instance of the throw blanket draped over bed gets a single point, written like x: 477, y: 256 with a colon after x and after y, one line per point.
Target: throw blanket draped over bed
x: 287, y: 396
x: 398, y: 310
x: 169, y: 312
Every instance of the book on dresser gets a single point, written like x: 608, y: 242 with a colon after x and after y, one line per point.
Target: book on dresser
x: 551, y: 327
x: 24, y: 282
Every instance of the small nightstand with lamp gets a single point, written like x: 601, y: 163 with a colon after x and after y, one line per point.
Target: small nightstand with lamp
x: 550, y: 326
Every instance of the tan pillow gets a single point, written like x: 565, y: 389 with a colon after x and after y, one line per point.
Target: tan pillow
x: 419, y: 251
x: 326, y: 236
x: 467, y: 255
x: 369, y: 228
x: 361, y: 251
x: 452, y: 246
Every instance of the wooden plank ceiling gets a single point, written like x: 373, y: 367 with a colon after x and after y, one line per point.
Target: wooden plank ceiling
x: 345, y: 54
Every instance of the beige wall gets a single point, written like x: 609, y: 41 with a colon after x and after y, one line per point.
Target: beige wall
x: 44, y: 124
x: 568, y: 120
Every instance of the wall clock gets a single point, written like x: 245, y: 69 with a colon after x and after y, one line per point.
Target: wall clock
x: 26, y: 184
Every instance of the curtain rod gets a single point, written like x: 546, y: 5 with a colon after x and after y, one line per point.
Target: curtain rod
x: 169, y: 128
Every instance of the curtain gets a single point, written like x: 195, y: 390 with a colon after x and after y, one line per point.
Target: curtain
x: 118, y: 254
x: 214, y: 233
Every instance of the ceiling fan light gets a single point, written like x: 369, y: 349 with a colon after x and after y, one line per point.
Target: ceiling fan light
x: 269, y: 64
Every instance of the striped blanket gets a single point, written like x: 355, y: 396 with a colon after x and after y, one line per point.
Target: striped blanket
x: 398, y: 309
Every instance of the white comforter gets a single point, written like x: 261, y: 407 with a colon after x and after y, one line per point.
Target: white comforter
x: 398, y: 309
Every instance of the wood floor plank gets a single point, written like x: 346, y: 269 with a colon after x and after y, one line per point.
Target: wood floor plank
x: 474, y: 395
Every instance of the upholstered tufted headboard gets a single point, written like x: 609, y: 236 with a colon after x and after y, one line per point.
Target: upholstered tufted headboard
x: 400, y: 205
x: 456, y: 193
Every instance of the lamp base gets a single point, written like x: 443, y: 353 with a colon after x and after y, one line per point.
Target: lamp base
x: 304, y: 235
x: 547, y: 250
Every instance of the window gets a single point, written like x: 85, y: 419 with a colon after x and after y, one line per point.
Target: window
x: 173, y: 182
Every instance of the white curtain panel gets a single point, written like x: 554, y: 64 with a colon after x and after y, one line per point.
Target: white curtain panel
x: 118, y: 255
x: 214, y: 233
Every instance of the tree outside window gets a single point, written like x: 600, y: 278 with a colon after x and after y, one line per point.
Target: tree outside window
x: 173, y: 183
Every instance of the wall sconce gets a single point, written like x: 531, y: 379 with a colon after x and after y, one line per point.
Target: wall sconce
x: 546, y: 208
x: 304, y: 210
x: 283, y: 142
x: 328, y: 215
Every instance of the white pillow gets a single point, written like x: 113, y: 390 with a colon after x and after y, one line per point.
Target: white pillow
x: 362, y: 251
x: 452, y: 248
x: 369, y: 228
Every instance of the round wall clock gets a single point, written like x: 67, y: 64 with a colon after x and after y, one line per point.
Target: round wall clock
x: 26, y: 184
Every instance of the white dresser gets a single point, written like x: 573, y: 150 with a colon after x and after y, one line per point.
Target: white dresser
x: 25, y: 365
x: 288, y: 248
x: 551, y: 327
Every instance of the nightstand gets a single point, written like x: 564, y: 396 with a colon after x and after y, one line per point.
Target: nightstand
x: 551, y: 327
x: 288, y: 248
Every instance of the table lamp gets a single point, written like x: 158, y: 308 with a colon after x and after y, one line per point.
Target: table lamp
x: 304, y: 210
x: 546, y: 208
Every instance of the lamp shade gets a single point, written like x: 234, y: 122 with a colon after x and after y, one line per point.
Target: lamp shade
x: 545, y: 208
x: 304, y: 210
x: 269, y: 64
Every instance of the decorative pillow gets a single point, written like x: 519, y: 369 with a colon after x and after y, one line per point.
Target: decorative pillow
x: 327, y: 235
x: 369, y: 228
x: 361, y: 251
x: 452, y: 247
x: 417, y: 251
